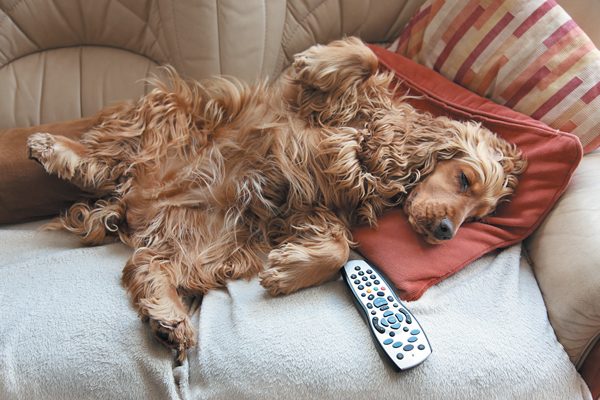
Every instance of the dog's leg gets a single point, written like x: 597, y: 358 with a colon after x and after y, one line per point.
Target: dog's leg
x: 313, y: 255
x: 149, y: 277
x: 73, y: 161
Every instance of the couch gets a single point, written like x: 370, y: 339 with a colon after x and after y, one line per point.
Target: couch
x: 66, y: 59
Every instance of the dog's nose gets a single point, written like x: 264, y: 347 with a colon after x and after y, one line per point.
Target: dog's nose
x: 444, y: 230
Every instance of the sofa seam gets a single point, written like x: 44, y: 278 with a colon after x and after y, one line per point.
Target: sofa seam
x: 76, y: 46
x: 311, y: 12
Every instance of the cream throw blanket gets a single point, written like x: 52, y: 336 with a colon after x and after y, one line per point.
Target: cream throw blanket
x: 67, y: 331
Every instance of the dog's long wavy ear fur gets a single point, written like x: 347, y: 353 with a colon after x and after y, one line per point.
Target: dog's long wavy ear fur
x: 336, y: 81
x: 513, y: 162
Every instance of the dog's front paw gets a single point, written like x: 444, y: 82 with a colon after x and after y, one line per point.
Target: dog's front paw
x: 40, y: 146
x: 279, y: 278
x: 179, y: 336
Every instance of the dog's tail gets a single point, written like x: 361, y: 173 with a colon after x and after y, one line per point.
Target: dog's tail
x: 94, y: 223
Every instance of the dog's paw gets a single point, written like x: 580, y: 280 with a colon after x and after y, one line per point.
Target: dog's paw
x: 279, y: 277
x: 179, y: 336
x: 41, y: 146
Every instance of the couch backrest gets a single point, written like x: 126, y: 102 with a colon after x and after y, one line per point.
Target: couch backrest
x: 64, y: 59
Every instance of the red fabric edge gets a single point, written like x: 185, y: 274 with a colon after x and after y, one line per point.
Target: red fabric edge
x: 382, y: 54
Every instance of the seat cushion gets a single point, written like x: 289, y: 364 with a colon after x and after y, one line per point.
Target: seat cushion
x: 487, y: 326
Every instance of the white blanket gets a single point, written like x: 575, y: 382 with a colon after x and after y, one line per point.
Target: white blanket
x: 67, y: 331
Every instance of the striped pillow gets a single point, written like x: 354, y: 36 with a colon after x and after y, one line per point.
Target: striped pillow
x: 528, y: 55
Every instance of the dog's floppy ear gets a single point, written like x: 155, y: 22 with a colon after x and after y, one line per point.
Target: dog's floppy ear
x: 512, y: 160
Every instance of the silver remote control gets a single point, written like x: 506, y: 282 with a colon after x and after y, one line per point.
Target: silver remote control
x: 397, y: 333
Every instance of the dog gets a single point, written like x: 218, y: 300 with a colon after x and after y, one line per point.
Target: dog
x: 206, y: 179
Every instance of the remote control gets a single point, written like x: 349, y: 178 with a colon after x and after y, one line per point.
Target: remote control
x: 397, y: 333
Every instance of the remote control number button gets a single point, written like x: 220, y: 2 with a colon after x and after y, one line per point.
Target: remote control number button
x: 415, y: 332
x: 397, y: 344
x: 388, y: 341
x: 412, y: 339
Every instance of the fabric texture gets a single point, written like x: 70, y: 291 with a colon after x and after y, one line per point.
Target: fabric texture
x: 414, y: 265
x: 68, y: 329
x: 73, y: 334
x: 527, y: 55
x: 26, y: 190
x: 487, y: 325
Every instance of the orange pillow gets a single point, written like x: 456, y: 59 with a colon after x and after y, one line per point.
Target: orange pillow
x: 400, y: 253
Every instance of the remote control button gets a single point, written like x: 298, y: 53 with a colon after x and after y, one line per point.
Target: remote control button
x: 357, y: 268
x: 405, y: 329
x: 415, y: 332
x: 399, y: 356
x: 380, y: 294
x: 372, y: 276
x: 369, y: 305
x: 375, y: 288
x: 395, y: 304
x: 371, y: 297
x: 363, y: 294
x: 392, y: 320
x: 383, y: 308
x: 390, y: 298
x: 400, y: 317
x: 378, y: 302
x: 369, y: 290
x: 421, y: 347
x: 368, y: 283
x: 384, y: 323
x: 396, y: 325
x: 373, y: 312
x: 369, y: 271
x: 376, y: 281
x: 353, y: 276
x: 412, y: 339
x: 388, y: 341
x: 376, y: 325
x: 408, y: 347
x: 360, y: 287
x: 361, y: 273
x: 407, y: 315
x: 357, y: 281
x: 387, y: 313
x: 397, y: 344
x: 364, y: 278
x: 382, y: 288
x: 392, y: 333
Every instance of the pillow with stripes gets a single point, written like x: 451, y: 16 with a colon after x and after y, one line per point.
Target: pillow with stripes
x: 528, y: 55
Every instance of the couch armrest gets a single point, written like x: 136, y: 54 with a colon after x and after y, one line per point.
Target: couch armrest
x: 565, y: 252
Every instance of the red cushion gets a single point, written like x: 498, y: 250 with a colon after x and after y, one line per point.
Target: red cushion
x: 411, y: 263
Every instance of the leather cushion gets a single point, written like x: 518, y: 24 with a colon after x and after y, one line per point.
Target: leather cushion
x: 414, y: 265
x: 26, y: 190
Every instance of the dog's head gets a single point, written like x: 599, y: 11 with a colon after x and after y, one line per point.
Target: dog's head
x: 475, y: 170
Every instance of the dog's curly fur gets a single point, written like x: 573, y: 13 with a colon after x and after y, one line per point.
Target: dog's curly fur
x: 204, y: 178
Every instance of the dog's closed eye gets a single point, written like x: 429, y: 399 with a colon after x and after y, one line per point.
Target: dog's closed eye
x: 463, y: 182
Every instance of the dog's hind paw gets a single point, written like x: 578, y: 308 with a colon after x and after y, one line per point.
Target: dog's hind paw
x: 179, y: 336
x: 40, y: 146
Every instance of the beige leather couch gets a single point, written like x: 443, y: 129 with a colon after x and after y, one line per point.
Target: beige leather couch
x: 64, y: 59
